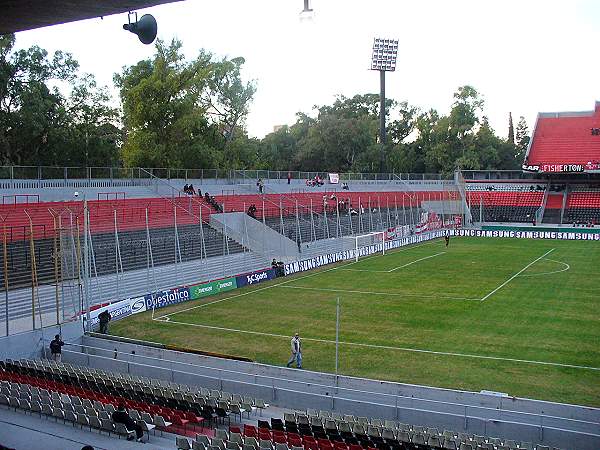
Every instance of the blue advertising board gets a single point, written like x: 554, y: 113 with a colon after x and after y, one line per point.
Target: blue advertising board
x: 169, y: 297
x: 251, y: 278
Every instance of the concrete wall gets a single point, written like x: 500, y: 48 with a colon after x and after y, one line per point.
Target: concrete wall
x: 255, y: 235
x: 33, y: 344
x: 513, y: 418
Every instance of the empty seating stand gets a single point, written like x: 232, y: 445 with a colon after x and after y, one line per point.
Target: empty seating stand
x: 505, y: 206
x: 583, y: 206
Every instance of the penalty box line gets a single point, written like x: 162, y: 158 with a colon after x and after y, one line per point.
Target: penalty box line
x: 489, y: 294
x: 282, y: 283
x: 382, y: 347
x: 395, y: 268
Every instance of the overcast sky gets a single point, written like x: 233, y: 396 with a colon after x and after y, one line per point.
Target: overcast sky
x: 523, y: 56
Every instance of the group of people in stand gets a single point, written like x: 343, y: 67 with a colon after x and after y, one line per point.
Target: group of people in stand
x: 189, y: 189
x: 315, y: 182
x: 343, y: 206
x: 212, y: 202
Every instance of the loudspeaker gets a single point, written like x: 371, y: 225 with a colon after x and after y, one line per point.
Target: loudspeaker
x: 145, y: 28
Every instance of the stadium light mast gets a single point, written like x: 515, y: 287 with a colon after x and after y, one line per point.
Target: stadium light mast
x: 383, y: 59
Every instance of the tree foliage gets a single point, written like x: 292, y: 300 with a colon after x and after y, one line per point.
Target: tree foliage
x: 182, y: 113
x: 39, y: 125
x: 179, y: 113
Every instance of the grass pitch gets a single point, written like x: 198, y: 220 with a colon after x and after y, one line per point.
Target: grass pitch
x: 515, y: 316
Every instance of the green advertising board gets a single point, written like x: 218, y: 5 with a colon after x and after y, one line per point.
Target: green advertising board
x: 212, y: 288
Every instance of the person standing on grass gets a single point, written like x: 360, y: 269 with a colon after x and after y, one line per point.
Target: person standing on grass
x: 447, y: 238
x: 296, y: 345
x: 56, y: 348
x: 104, y: 318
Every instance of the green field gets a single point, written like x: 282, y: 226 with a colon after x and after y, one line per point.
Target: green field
x: 509, y: 315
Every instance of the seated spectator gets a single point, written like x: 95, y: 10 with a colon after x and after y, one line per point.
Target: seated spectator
x: 186, y: 189
x: 121, y: 416
x: 345, y: 186
x: 252, y: 211
x: 207, y: 197
x: 191, y: 189
x: 274, y: 264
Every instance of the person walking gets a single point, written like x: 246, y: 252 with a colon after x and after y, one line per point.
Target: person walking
x: 296, y: 345
x: 104, y: 318
x: 56, y: 348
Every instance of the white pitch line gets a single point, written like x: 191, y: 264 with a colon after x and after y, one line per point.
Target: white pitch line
x: 517, y: 274
x: 386, y: 347
x: 416, y: 261
x: 564, y: 269
x: 312, y: 274
x: 399, y: 294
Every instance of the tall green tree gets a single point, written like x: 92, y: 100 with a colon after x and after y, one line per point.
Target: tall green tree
x: 41, y: 124
x: 522, y: 139
x: 179, y: 113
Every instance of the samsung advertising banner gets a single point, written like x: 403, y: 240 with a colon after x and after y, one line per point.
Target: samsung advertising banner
x: 167, y: 298
x: 330, y: 258
x: 561, y: 235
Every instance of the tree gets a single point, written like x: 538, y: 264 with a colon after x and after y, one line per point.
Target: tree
x: 39, y: 124
x: 179, y: 113
x: 511, y: 129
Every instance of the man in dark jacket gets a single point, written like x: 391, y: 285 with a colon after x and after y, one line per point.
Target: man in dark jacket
x: 56, y: 348
x: 104, y: 318
x: 121, y: 416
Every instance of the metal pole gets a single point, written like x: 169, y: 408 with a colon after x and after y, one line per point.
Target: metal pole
x: 337, y: 336
x: 116, y: 253
x: 86, y: 263
x: 5, y: 250
x: 33, y: 277
x: 382, y: 119
x: 313, y: 232
x: 55, y: 271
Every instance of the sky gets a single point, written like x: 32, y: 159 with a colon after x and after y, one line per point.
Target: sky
x: 523, y: 56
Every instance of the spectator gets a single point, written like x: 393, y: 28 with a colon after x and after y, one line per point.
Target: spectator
x: 121, y: 416
x: 191, y: 190
x: 104, y: 318
x: 289, y: 177
x: 345, y: 186
x: 261, y: 185
x: 56, y: 348
x: 274, y: 264
x: 296, y: 345
x: 252, y: 211
x: 186, y: 189
x: 206, y: 197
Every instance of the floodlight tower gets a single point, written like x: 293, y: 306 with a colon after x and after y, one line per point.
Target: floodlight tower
x: 385, y: 52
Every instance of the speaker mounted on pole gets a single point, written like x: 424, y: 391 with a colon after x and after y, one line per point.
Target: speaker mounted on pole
x: 145, y: 27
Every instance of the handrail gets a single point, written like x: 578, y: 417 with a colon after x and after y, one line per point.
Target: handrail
x: 16, y: 172
x: 312, y: 383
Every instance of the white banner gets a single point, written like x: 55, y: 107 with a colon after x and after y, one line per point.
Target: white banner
x: 334, y: 178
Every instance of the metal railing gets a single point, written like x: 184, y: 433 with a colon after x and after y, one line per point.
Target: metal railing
x: 142, y: 173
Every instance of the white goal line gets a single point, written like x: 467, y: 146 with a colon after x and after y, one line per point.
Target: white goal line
x: 383, y: 347
x: 394, y: 294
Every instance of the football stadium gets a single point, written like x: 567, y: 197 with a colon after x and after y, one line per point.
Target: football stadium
x: 279, y: 306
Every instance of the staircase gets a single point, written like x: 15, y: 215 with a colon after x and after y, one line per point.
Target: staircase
x: 552, y: 212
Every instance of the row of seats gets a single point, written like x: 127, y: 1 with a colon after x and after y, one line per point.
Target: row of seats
x: 202, y: 402
x: 190, y: 242
x: 355, y: 433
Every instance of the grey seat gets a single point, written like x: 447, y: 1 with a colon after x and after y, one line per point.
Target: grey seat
x: 182, y: 443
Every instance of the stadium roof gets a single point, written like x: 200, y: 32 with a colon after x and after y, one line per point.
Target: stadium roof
x: 20, y: 15
x: 565, y: 142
